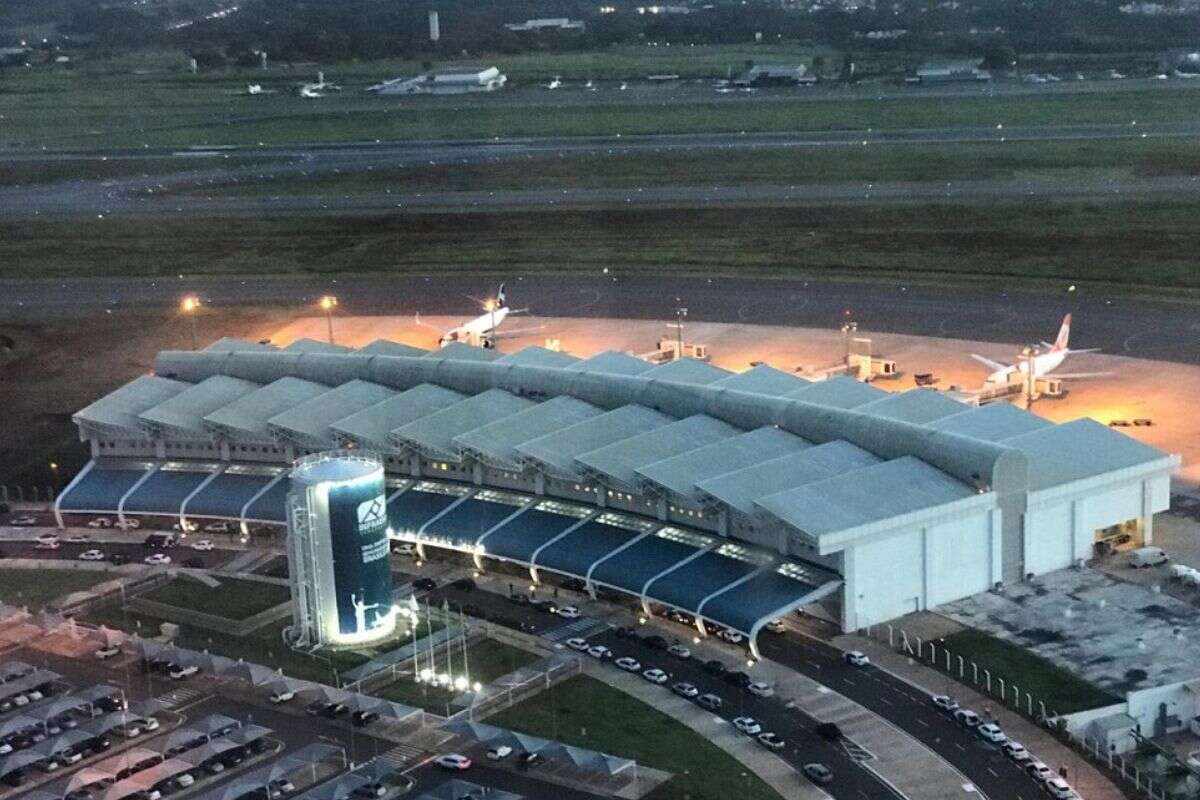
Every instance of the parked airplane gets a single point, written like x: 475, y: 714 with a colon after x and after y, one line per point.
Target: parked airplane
x: 1043, y: 363
x: 555, y: 83
x: 313, y: 90
x: 481, y: 331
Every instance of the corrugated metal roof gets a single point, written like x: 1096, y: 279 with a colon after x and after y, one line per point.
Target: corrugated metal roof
x: 538, y: 357
x: 739, y: 489
x: 247, y: 416
x: 619, y: 460
x: 839, y: 392
x: 316, y: 346
x: 309, y: 424
x: 373, y: 425
x: 688, y: 370
x: 460, y: 351
x: 613, y: 363
x: 496, y: 443
x: 383, y: 347
x: 120, y: 408
x: 871, y: 494
x: 556, y: 452
x: 1079, y: 449
x: 184, y: 413
x: 680, y: 474
x: 915, y: 405
x: 991, y: 423
x: 434, y: 435
x: 763, y: 379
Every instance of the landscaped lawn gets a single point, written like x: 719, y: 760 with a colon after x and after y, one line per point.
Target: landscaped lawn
x: 487, y: 660
x: 584, y: 712
x: 1061, y: 691
x: 37, y: 587
x: 234, y: 599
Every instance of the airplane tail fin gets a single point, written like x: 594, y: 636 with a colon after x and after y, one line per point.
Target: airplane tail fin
x: 500, y: 297
x: 1064, y: 334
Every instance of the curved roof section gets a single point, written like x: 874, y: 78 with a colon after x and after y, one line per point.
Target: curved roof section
x: 316, y: 346
x: 739, y: 489
x: 679, y: 474
x: 992, y: 423
x: 183, y: 414
x: 309, y: 424
x: 613, y: 362
x: 373, y: 425
x: 839, y: 392
x: 763, y: 379
x: 384, y: 347
x: 688, y: 370
x: 246, y: 418
x: 880, y: 492
x: 433, y: 436
x: 496, y: 443
x: 464, y: 352
x: 555, y: 452
x: 921, y: 406
x: 1080, y: 449
x: 539, y: 356
x: 119, y: 409
x: 618, y: 462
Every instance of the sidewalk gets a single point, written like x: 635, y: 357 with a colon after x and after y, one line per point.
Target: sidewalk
x: 1087, y: 779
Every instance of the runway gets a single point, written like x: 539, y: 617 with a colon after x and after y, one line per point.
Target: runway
x: 204, y: 189
x: 1162, y: 330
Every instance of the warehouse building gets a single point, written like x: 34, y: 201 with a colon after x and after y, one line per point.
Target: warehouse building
x: 736, y: 497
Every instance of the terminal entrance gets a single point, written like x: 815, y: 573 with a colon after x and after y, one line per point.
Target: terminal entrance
x: 1127, y: 535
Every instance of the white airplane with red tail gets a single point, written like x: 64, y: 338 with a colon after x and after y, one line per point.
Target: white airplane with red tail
x: 1044, y: 363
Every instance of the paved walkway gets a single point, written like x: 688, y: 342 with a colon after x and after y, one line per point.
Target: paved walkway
x: 1088, y: 781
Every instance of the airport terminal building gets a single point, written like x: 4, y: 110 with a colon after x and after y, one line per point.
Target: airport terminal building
x: 735, y: 497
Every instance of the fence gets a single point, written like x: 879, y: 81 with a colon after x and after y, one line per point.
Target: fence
x: 503, y: 697
x: 1012, y: 696
x: 211, y: 622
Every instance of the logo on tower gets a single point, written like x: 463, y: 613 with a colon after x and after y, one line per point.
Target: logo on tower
x: 371, y: 512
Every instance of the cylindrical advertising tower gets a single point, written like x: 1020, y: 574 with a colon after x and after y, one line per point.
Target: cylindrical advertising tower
x: 338, y: 550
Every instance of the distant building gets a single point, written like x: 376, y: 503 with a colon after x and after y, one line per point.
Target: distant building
x: 951, y: 72
x: 460, y: 81
x: 546, y: 24
x: 15, y: 55
x: 776, y: 75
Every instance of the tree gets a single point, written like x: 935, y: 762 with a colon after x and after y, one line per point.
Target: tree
x: 999, y: 54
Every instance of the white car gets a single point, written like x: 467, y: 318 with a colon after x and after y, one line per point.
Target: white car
x: 157, y: 560
x: 577, y: 644
x: 1016, y: 751
x: 282, y: 697
x: 149, y: 723
x: 1060, y: 789
x: 733, y: 637
x: 180, y: 672
x: 218, y: 527
x: 991, y: 731
x: 776, y: 626
x: 679, y: 651
x: 453, y: 761
x: 100, y: 522
x: 967, y: 717
x: 105, y: 653
x: 944, y: 702
x: 404, y: 549
x: 628, y: 664
x: 25, y: 520
x: 684, y: 689
x: 499, y: 753
x: 760, y: 689
x: 1039, y: 771
x: 655, y: 675
x: 78, y: 538
x: 203, y: 545
x: 568, y: 612
x: 857, y: 658
x: 91, y: 555
x: 47, y: 544
x: 599, y: 651
x: 128, y: 524
x: 46, y: 537
x: 747, y: 725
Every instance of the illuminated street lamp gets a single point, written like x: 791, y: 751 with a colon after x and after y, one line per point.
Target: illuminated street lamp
x: 190, y: 305
x: 329, y: 303
x: 54, y: 471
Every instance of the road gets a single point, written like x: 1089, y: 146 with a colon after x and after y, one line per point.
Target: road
x: 198, y: 191
x: 888, y: 697
x: 1118, y: 325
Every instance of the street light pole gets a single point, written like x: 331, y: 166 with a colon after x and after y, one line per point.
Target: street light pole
x: 329, y: 302
x: 190, y: 305
x: 680, y: 313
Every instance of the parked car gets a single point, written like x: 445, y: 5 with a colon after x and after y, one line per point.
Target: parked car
x: 771, y: 741
x: 944, y: 702
x: 967, y: 717
x: 1016, y: 751
x: 78, y: 538
x: 180, y: 673
x: 530, y: 760
x: 91, y: 555
x: 684, y: 689
x: 100, y: 522
x: 761, y: 689
x: 775, y: 626
x: 747, y: 725
x: 1147, y: 557
x: 1039, y: 771
x: 282, y: 696
x: 628, y: 664
x: 364, y: 718
x: 157, y: 560
x: 453, y: 761
x: 655, y: 675
x: 23, y: 520
x: 578, y: 644
x: 991, y: 732
x: 221, y: 526
x: 818, y: 774
x: 203, y: 545
x: 404, y: 548
x: 1059, y: 789
x: 731, y: 636
x: 499, y: 753
x: 857, y: 658
x: 601, y: 652
x: 679, y: 651
x: 47, y: 544
x: 568, y: 612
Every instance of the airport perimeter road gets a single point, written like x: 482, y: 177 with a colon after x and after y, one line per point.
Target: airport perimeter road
x: 1168, y: 331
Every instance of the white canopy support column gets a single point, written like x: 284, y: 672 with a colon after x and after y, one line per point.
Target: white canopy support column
x: 246, y: 508
x: 132, y: 489
x: 183, y: 506
x: 571, y: 529
x: 58, y: 520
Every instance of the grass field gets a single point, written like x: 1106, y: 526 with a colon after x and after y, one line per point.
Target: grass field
x: 233, y: 599
x: 1131, y: 247
x: 488, y: 660
x: 264, y: 646
x: 584, y: 712
x: 23, y: 172
x: 37, y: 587
x: 1057, y: 161
x: 1061, y: 691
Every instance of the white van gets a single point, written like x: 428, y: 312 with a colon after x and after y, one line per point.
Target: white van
x: 1147, y: 557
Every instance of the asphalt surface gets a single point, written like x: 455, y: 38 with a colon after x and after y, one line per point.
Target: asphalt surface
x: 889, y: 697
x: 1118, y: 325
x: 197, y: 191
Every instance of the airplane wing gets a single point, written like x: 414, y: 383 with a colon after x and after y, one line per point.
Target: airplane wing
x: 427, y: 325
x: 1046, y: 344
x: 1074, y: 352
x: 508, y: 334
x: 1078, y: 375
x: 995, y: 366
